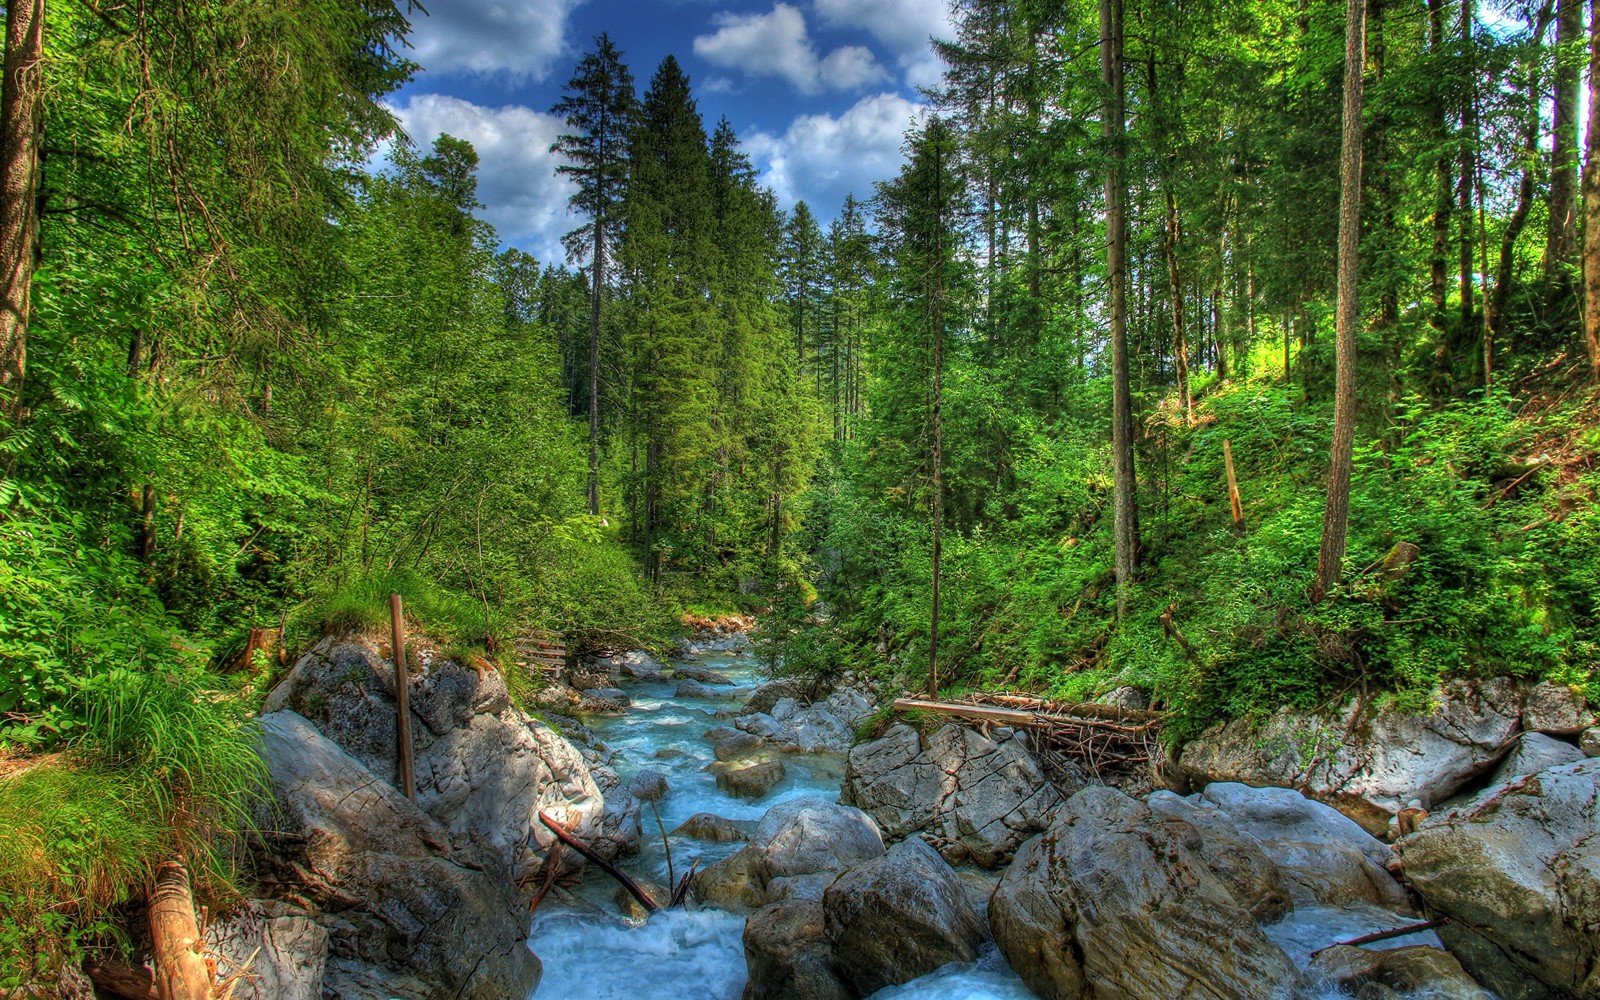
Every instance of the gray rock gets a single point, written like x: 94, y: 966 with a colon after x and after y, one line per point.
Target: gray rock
x: 1518, y: 874
x: 1418, y: 970
x: 786, y: 949
x: 1533, y: 753
x: 1558, y: 709
x: 1589, y: 742
x: 1325, y: 856
x: 694, y: 689
x: 711, y: 828
x: 1126, y: 697
x: 1235, y: 857
x: 608, y: 694
x: 798, y: 839
x: 894, y: 918
x: 718, y: 733
x: 668, y: 753
x: 275, y: 952
x: 630, y: 908
x: 739, y: 746
x: 392, y: 892
x: 1368, y: 766
x: 754, y: 781
x: 765, y: 696
x: 635, y: 663
x: 622, y: 825
x: 649, y: 785
x: 1112, y: 902
x: 962, y: 787
x: 705, y: 675
x: 483, y: 769
x: 825, y: 727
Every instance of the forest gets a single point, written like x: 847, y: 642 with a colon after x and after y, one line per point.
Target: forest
x: 1246, y: 354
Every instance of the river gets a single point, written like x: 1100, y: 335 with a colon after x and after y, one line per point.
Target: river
x: 592, y: 953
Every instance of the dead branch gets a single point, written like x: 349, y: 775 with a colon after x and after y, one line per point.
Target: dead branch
x: 566, y: 837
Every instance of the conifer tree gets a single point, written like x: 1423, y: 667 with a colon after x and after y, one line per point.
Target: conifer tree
x: 599, y: 107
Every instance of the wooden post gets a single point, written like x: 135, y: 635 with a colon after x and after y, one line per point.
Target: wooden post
x: 402, y: 698
x: 181, y: 972
x: 1233, y: 485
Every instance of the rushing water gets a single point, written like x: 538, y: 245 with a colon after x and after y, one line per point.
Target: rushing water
x: 592, y: 953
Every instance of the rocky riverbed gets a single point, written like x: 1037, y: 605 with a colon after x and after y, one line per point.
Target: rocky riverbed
x: 942, y: 863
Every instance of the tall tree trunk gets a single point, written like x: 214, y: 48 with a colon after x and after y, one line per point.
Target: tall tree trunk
x: 595, y: 298
x: 19, y: 185
x: 1124, y: 503
x: 1336, y: 515
x: 1530, y: 157
x: 1561, y: 238
x: 1180, y: 344
x: 936, y: 325
x: 1438, y: 263
x: 1468, y: 165
x: 1591, y: 201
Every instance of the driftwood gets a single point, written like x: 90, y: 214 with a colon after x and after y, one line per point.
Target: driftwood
x: 1426, y: 925
x: 1069, y: 736
x: 181, y: 972
x: 634, y: 889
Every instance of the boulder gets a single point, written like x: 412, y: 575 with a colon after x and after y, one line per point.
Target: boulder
x: 1235, y: 857
x: 649, y: 785
x: 276, y: 951
x: 765, y: 696
x: 1518, y: 874
x: 396, y: 898
x: 483, y: 769
x: 1367, y: 764
x: 1113, y: 901
x: 894, y: 918
x: 705, y: 675
x: 1126, y: 697
x: 754, y: 781
x: 718, y: 733
x: 1420, y: 970
x: 962, y: 787
x: 694, y: 689
x: 739, y: 746
x: 798, y: 846
x: 621, y: 826
x: 827, y: 726
x: 635, y: 663
x: 711, y: 828
x: 787, y: 951
x: 613, y: 695
x: 1324, y: 856
x: 1589, y: 742
x: 1533, y: 753
x: 632, y: 909
x: 1558, y: 709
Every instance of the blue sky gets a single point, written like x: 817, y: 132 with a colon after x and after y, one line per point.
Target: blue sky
x: 819, y: 91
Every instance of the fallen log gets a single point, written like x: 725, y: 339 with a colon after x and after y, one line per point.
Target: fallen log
x: 1426, y: 925
x: 566, y: 837
x: 181, y: 972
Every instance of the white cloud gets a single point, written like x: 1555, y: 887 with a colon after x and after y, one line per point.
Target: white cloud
x: 903, y: 26
x: 777, y: 44
x: 520, y: 38
x: 526, y: 199
x: 821, y: 159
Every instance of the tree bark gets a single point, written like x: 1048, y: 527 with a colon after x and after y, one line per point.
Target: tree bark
x: 1591, y: 201
x: 1124, y: 504
x: 595, y: 297
x: 1561, y: 237
x: 1519, y: 214
x: 1336, y: 515
x: 181, y: 972
x: 19, y: 185
x: 936, y: 325
x: 1468, y: 164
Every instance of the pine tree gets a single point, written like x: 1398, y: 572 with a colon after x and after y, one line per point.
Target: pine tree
x: 599, y: 106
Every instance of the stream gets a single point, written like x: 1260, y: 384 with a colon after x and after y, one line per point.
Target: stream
x: 590, y: 951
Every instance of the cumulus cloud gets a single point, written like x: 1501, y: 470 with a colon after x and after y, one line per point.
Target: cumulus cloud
x: 820, y: 158
x: 519, y: 38
x: 902, y: 26
x: 777, y: 44
x: 526, y: 199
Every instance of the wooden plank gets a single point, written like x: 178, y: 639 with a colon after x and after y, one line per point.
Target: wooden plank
x: 1004, y: 716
